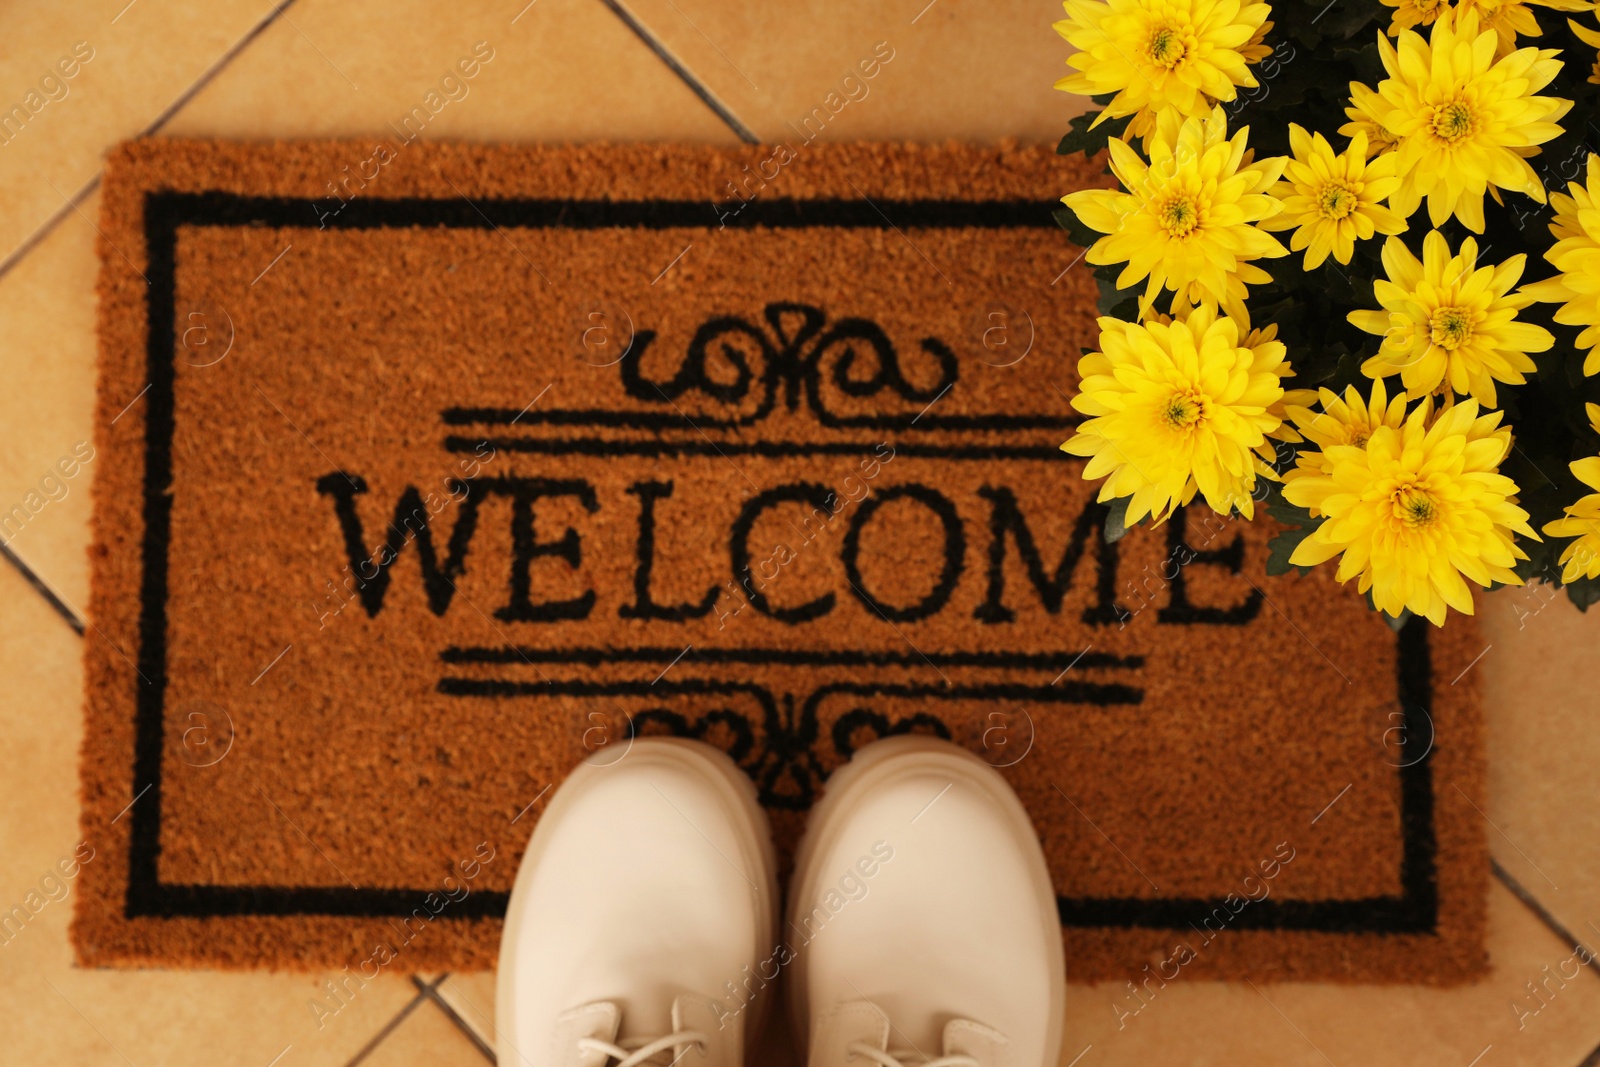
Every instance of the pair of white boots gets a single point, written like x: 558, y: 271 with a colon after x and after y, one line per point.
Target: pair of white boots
x: 921, y: 928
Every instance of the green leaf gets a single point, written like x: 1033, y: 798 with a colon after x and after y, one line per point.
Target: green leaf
x: 1281, y: 547
x: 1067, y: 219
x: 1346, y: 20
x: 1117, y: 519
x: 1584, y: 592
x: 1118, y: 303
x: 1289, y: 514
x: 1082, y: 139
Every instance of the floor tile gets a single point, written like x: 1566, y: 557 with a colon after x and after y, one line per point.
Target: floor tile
x: 116, y: 1017
x: 470, y: 995
x: 963, y: 69
x: 125, y: 71
x: 554, y: 70
x: 1544, y: 750
x: 47, y: 310
x: 1211, y: 1024
x: 425, y: 1036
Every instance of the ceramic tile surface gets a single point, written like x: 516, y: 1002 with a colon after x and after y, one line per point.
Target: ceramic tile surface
x: 86, y: 75
x: 966, y: 70
x: 551, y: 70
x: 47, y: 309
x: 1211, y: 1024
x: 1544, y: 750
x: 425, y: 1036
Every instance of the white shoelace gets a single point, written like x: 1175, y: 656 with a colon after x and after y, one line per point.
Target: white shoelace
x: 902, y: 1058
x: 632, y: 1052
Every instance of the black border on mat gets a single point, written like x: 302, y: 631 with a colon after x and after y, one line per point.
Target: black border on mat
x: 1415, y: 910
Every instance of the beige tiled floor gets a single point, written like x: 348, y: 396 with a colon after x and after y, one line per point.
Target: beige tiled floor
x: 129, y: 64
x: 962, y: 69
x: 1544, y: 743
x: 598, y: 70
x: 47, y: 318
x: 424, y: 1035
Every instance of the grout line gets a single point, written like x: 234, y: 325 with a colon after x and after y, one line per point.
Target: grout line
x: 216, y: 68
x: 43, y: 589
x: 682, y: 72
x: 1532, y: 904
x: 48, y: 226
x: 455, y: 1017
x: 388, y: 1028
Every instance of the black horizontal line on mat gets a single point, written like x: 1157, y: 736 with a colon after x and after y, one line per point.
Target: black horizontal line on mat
x: 594, y: 446
x: 181, y: 899
x: 1073, y: 692
x: 456, y: 212
x: 1365, y: 915
x: 788, y: 657
x: 661, y: 420
x: 1414, y: 911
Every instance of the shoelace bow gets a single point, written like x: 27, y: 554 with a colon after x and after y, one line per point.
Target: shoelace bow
x: 632, y: 1052
x: 902, y: 1058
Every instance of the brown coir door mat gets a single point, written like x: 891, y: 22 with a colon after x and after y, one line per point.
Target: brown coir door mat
x: 426, y: 469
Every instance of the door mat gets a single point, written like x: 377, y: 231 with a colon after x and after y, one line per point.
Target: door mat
x: 427, y: 470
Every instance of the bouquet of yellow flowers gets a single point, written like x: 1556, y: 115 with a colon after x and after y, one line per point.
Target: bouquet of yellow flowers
x: 1340, y: 280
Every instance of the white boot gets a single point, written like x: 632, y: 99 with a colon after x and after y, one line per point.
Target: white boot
x: 643, y: 906
x: 922, y: 920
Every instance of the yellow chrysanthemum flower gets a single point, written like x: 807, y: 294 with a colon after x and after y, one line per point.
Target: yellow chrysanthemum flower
x: 1256, y: 48
x: 1591, y: 38
x: 1176, y: 408
x: 1332, y: 200
x: 1416, y: 511
x: 1365, y: 106
x: 1465, y: 120
x: 1156, y: 55
x: 1347, y: 420
x: 1576, y: 254
x: 1409, y: 14
x: 1264, y: 343
x: 1581, y: 559
x: 1507, y: 18
x: 1446, y: 322
x: 1186, y: 220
